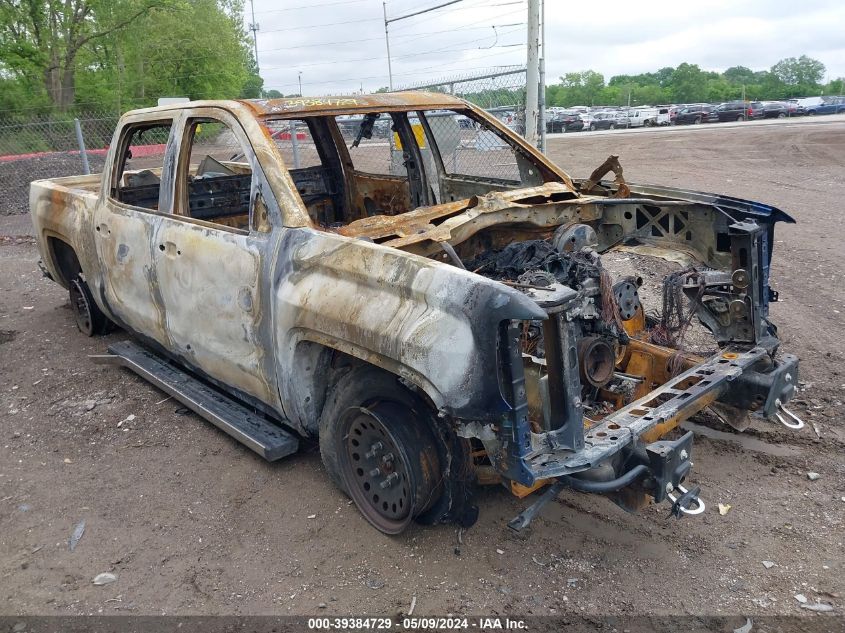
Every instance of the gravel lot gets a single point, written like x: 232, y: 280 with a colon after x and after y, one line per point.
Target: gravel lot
x: 191, y: 522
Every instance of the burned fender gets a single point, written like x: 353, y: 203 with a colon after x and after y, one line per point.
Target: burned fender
x: 434, y: 325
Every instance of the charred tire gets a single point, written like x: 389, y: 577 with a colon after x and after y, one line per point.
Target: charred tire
x: 89, y: 318
x: 379, y: 446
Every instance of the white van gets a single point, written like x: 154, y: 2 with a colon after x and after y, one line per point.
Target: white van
x: 664, y: 115
x: 641, y: 117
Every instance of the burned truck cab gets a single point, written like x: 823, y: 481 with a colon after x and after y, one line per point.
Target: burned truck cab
x: 405, y: 280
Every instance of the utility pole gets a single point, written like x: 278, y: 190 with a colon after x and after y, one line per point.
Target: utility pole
x: 404, y: 17
x: 543, y: 75
x: 387, y: 42
x: 253, y: 26
x: 532, y: 80
x: 300, y: 82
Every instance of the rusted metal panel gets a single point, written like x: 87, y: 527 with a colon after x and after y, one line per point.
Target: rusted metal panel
x: 254, y: 305
x: 385, y: 102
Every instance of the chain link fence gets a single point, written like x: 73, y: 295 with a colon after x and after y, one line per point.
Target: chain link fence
x: 35, y: 146
x: 465, y: 148
x: 500, y: 91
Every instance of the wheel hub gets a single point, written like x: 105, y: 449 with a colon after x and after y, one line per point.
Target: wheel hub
x: 387, y: 470
x: 81, y: 307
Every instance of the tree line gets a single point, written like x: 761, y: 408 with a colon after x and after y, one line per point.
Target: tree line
x: 790, y: 77
x: 63, y: 55
x: 58, y: 56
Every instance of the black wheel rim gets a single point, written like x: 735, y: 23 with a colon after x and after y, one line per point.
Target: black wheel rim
x: 81, y: 307
x: 388, y: 487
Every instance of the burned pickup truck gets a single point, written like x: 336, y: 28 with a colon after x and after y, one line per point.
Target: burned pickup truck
x: 403, y: 279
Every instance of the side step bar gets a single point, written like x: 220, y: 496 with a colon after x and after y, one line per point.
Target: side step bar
x: 267, y: 439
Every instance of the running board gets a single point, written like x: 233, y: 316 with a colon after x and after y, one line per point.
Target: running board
x: 267, y: 439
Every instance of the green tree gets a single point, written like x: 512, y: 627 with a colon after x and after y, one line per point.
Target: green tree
x: 835, y: 87
x: 739, y: 75
x: 116, y: 53
x: 581, y: 88
x: 689, y: 84
x: 46, y: 39
x: 803, y: 71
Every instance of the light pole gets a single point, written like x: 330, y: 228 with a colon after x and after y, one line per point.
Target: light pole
x: 300, y: 82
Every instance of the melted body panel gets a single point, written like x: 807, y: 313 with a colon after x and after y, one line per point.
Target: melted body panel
x: 264, y: 310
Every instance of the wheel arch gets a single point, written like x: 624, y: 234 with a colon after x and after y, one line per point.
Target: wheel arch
x: 317, y: 363
x: 64, y: 261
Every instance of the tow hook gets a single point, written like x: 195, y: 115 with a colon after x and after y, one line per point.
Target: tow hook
x: 790, y: 421
x: 666, y: 464
x: 681, y: 505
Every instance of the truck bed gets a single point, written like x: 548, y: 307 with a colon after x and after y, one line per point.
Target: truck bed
x: 63, y: 208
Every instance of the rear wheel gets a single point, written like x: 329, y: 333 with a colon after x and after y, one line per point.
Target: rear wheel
x: 89, y: 318
x: 592, y: 127
x: 740, y: 118
x: 379, y: 446
x: 697, y: 120
x: 781, y: 115
x: 612, y: 126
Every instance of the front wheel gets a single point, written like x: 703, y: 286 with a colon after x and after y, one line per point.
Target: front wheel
x: 697, y: 120
x: 592, y: 127
x: 379, y: 446
x: 89, y: 318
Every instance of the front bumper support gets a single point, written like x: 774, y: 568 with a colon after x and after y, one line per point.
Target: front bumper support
x: 658, y: 412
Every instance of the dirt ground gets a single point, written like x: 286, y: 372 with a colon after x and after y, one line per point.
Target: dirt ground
x: 192, y: 523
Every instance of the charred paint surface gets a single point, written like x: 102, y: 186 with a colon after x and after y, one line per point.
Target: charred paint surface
x: 255, y: 310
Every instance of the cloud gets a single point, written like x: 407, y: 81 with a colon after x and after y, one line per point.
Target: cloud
x: 338, y: 45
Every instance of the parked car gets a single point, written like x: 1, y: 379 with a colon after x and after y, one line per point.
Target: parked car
x: 795, y: 108
x: 831, y: 105
x: 739, y: 111
x: 283, y: 302
x: 608, y: 121
x: 695, y: 114
x: 775, y: 110
x: 564, y: 122
x: 586, y: 118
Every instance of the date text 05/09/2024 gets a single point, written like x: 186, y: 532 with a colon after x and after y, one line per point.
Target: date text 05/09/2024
x: 414, y: 623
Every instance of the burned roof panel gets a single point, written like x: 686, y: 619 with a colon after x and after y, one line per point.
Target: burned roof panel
x: 355, y: 103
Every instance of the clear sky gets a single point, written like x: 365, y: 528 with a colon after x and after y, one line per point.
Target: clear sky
x: 338, y: 45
